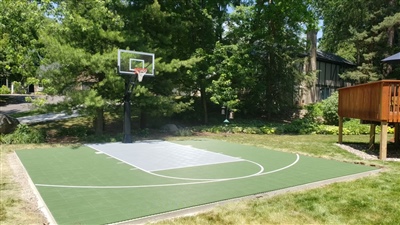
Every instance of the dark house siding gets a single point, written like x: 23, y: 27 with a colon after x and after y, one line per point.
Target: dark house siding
x: 329, y: 68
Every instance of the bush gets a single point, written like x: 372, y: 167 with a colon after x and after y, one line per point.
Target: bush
x: 299, y: 126
x: 330, y: 109
x: 184, y: 132
x: 74, y: 131
x: 314, y: 112
x: 268, y: 130
x: 5, y: 90
x: 356, y: 127
x: 351, y: 127
x: 302, y: 126
x: 18, y: 88
x: 332, y: 130
x: 23, y: 135
x: 38, y: 102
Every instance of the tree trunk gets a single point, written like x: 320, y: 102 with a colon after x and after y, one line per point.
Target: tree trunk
x: 98, y: 121
x: 312, y: 68
x: 204, y: 102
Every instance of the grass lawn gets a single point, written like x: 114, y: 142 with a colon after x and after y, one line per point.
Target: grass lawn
x: 370, y: 200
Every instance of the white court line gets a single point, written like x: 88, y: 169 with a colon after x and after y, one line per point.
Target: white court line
x: 169, y: 185
x: 144, y: 170
x: 204, y: 164
x: 193, y: 179
x: 177, y: 178
x: 156, y: 150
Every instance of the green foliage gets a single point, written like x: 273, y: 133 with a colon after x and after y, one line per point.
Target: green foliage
x: 23, y: 135
x: 299, y: 126
x: 77, y: 130
x: 331, y: 130
x: 32, y: 80
x: 243, y: 128
x: 366, y: 36
x: 268, y: 130
x: 184, y: 132
x: 79, y: 58
x: 20, y: 22
x: 4, y: 90
x: 330, y: 109
x: 355, y: 127
x: 37, y: 102
x: 314, y: 112
x: 18, y: 88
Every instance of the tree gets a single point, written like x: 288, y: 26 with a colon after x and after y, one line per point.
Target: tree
x: 267, y: 35
x: 199, y: 25
x: 182, y: 34
x: 81, y: 49
x: 20, y: 23
x: 367, y: 35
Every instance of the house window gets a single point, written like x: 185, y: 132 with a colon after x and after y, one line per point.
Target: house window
x: 325, y: 92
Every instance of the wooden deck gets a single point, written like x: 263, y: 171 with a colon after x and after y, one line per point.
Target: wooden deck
x: 376, y: 102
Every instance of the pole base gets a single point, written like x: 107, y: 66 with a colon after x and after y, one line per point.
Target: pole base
x: 127, y: 139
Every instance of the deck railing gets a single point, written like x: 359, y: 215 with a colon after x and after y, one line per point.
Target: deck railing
x: 377, y: 101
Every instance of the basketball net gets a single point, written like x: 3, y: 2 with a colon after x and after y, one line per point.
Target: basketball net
x: 140, y: 73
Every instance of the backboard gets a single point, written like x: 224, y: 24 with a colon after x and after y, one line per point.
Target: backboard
x: 129, y: 60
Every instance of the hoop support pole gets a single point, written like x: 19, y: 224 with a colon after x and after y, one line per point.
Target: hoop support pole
x: 129, y: 85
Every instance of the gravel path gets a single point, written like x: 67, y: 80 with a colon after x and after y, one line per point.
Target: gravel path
x: 18, y: 104
x: 46, y: 117
x: 363, y: 154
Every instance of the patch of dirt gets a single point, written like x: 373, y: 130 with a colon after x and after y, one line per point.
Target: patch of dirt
x: 30, y: 200
x: 363, y: 151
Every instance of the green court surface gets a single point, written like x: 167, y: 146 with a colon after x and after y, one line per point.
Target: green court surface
x: 82, y: 186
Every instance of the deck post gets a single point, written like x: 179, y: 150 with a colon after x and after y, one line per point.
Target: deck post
x: 340, y: 130
x: 383, y: 144
x: 371, y: 136
x: 396, y: 133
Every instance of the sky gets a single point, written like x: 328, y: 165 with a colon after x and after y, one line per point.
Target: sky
x: 320, y: 24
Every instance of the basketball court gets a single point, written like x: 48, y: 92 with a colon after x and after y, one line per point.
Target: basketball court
x: 144, y: 181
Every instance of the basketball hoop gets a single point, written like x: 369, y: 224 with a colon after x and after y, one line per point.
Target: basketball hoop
x: 140, y: 73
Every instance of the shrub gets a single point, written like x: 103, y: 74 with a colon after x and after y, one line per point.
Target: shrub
x: 18, y: 88
x: 38, y: 102
x: 4, y: 90
x: 390, y: 130
x: 268, y: 130
x: 356, y: 127
x: 237, y: 129
x: 23, y: 135
x: 330, y: 109
x: 251, y: 130
x: 299, y: 126
x: 74, y: 131
x: 184, y: 132
x: 314, y: 112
